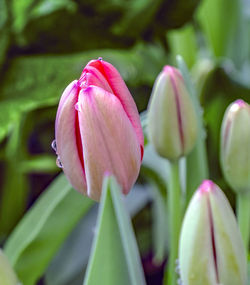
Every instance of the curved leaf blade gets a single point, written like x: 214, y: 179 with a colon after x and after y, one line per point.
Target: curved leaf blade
x: 44, y: 228
x: 114, y: 257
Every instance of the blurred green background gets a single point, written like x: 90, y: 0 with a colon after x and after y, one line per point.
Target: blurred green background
x: 45, y: 44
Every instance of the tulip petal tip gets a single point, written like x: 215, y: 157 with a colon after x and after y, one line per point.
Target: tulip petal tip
x: 168, y: 68
x: 206, y: 186
x: 240, y: 103
x: 107, y: 173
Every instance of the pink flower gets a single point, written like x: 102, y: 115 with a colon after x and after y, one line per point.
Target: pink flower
x: 98, y: 130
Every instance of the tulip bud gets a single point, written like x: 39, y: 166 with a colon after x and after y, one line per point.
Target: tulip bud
x: 7, y: 275
x: 98, y: 130
x: 211, y: 250
x: 235, y: 146
x: 172, y: 123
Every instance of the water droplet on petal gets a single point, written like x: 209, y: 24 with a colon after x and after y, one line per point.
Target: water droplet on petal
x: 53, y: 145
x: 58, y: 162
x: 77, y: 107
x: 100, y: 58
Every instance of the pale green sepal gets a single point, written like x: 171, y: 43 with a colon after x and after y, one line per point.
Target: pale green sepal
x: 235, y: 146
x: 195, y: 250
x: 231, y: 256
x: 114, y: 257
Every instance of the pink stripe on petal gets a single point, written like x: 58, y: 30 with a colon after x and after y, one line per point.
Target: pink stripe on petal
x: 121, y: 91
x: 66, y: 140
x: 92, y: 76
x: 71, y: 88
x: 109, y: 141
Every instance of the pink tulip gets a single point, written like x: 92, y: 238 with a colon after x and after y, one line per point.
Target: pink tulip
x: 98, y: 130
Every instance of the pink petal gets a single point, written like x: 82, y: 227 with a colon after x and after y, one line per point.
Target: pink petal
x: 109, y: 141
x: 66, y: 138
x: 92, y: 76
x: 121, y: 91
x: 66, y: 93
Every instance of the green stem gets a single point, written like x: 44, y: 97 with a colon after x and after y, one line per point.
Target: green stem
x: 243, y: 216
x: 175, y: 216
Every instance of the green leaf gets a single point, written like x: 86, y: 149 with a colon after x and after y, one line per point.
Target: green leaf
x: 155, y: 169
x: 13, y: 187
x: 25, y: 10
x: 38, y: 81
x: 44, y: 163
x: 248, y: 273
x: 7, y: 274
x: 196, y: 161
x: 174, y: 14
x: 44, y: 228
x: 114, y: 256
x: 4, y: 30
x: 139, y: 9
x: 70, y: 262
x: 183, y: 42
x: 160, y: 226
x: 220, y: 35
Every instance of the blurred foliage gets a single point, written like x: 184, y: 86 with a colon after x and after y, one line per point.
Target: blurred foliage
x: 183, y: 41
x: 219, y: 34
x: 40, y: 244
x: 37, y: 81
x: 80, y: 22
x: 219, y: 90
x: 45, y: 44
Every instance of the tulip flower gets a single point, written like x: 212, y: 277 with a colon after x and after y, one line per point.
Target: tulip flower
x: 235, y: 146
x: 235, y: 160
x: 172, y: 123
x: 211, y: 250
x: 7, y: 275
x: 98, y: 130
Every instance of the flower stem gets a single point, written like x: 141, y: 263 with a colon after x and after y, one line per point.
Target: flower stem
x: 243, y: 216
x: 175, y: 216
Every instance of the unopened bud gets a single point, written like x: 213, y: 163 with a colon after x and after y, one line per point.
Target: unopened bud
x: 211, y: 250
x: 98, y: 130
x: 235, y: 146
x: 172, y: 123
